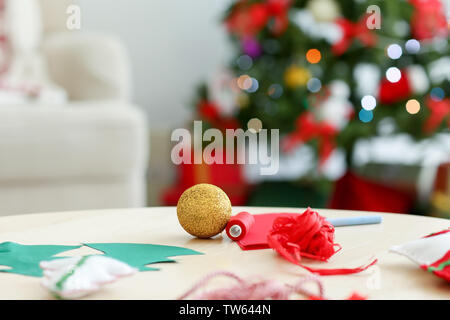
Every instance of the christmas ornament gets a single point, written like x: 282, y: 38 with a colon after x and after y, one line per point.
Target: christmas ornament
x: 352, y: 31
x: 394, y: 51
x: 296, y: 76
x: 313, y: 56
x: 249, y: 19
x: 328, y: 31
x: 246, y: 20
x: 439, y: 70
x: 208, y: 110
x: 335, y: 108
x: 440, y: 110
x: 431, y: 253
x: 418, y: 79
x: 76, y: 277
x: 279, y: 10
x: 259, y: 289
x: 204, y: 210
x: 413, y: 106
x: 324, y: 10
x: 367, y: 78
x: 251, y: 47
x: 392, y: 92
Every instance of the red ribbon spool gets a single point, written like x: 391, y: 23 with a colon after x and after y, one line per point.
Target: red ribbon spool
x: 239, y: 225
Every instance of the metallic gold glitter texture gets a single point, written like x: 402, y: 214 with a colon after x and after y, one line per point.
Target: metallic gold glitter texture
x: 204, y: 210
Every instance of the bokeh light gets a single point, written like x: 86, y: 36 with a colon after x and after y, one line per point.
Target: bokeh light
x: 401, y: 28
x: 413, y: 106
x: 243, y: 100
x: 254, y: 87
x: 313, y: 56
x: 275, y: 91
x: 244, y: 82
x: 368, y: 102
x: 393, y: 74
x: 394, y: 51
x: 296, y: 76
x: 244, y: 62
x: 412, y: 46
x: 314, y: 85
x: 437, y: 94
x: 254, y: 125
x: 365, y: 115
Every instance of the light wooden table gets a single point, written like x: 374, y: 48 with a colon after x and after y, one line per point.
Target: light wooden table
x: 394, y: 277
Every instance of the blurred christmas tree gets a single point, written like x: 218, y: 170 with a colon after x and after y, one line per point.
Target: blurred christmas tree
x: 315, y: 70
x: 327, y: 72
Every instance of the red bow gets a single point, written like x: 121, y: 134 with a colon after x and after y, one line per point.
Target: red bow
x: 351, y: 31
x: 439, y: 111
x: 428, y: 19
x: 307, y: 129
x: 248, y: 19
x: 279, y: 9
x: 210, y: 112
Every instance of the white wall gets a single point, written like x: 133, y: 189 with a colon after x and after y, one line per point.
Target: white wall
x: 173, y: 45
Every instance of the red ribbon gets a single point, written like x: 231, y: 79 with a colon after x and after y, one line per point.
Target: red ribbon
x: 352, y: 31
x: 307, y: 129
x: 308, y: 235
x: 210, y: 112
x: 439, y: 111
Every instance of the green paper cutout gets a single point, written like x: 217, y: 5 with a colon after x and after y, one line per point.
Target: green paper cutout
x: 140, y: 255
x: 24, y: 259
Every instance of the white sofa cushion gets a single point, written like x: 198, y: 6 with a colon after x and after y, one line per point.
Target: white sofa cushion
x: 54, y: 14
x: 78, y: 140
x: 88, y: 66
x: 69, y: 195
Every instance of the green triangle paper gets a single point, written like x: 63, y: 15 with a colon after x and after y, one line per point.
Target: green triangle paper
x: 140, y: 255
x: 24, y: 259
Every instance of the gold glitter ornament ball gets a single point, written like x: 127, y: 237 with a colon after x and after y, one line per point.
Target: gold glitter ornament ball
x: 204, y: 210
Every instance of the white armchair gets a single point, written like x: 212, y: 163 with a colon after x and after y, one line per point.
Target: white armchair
x: 90, y: 153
